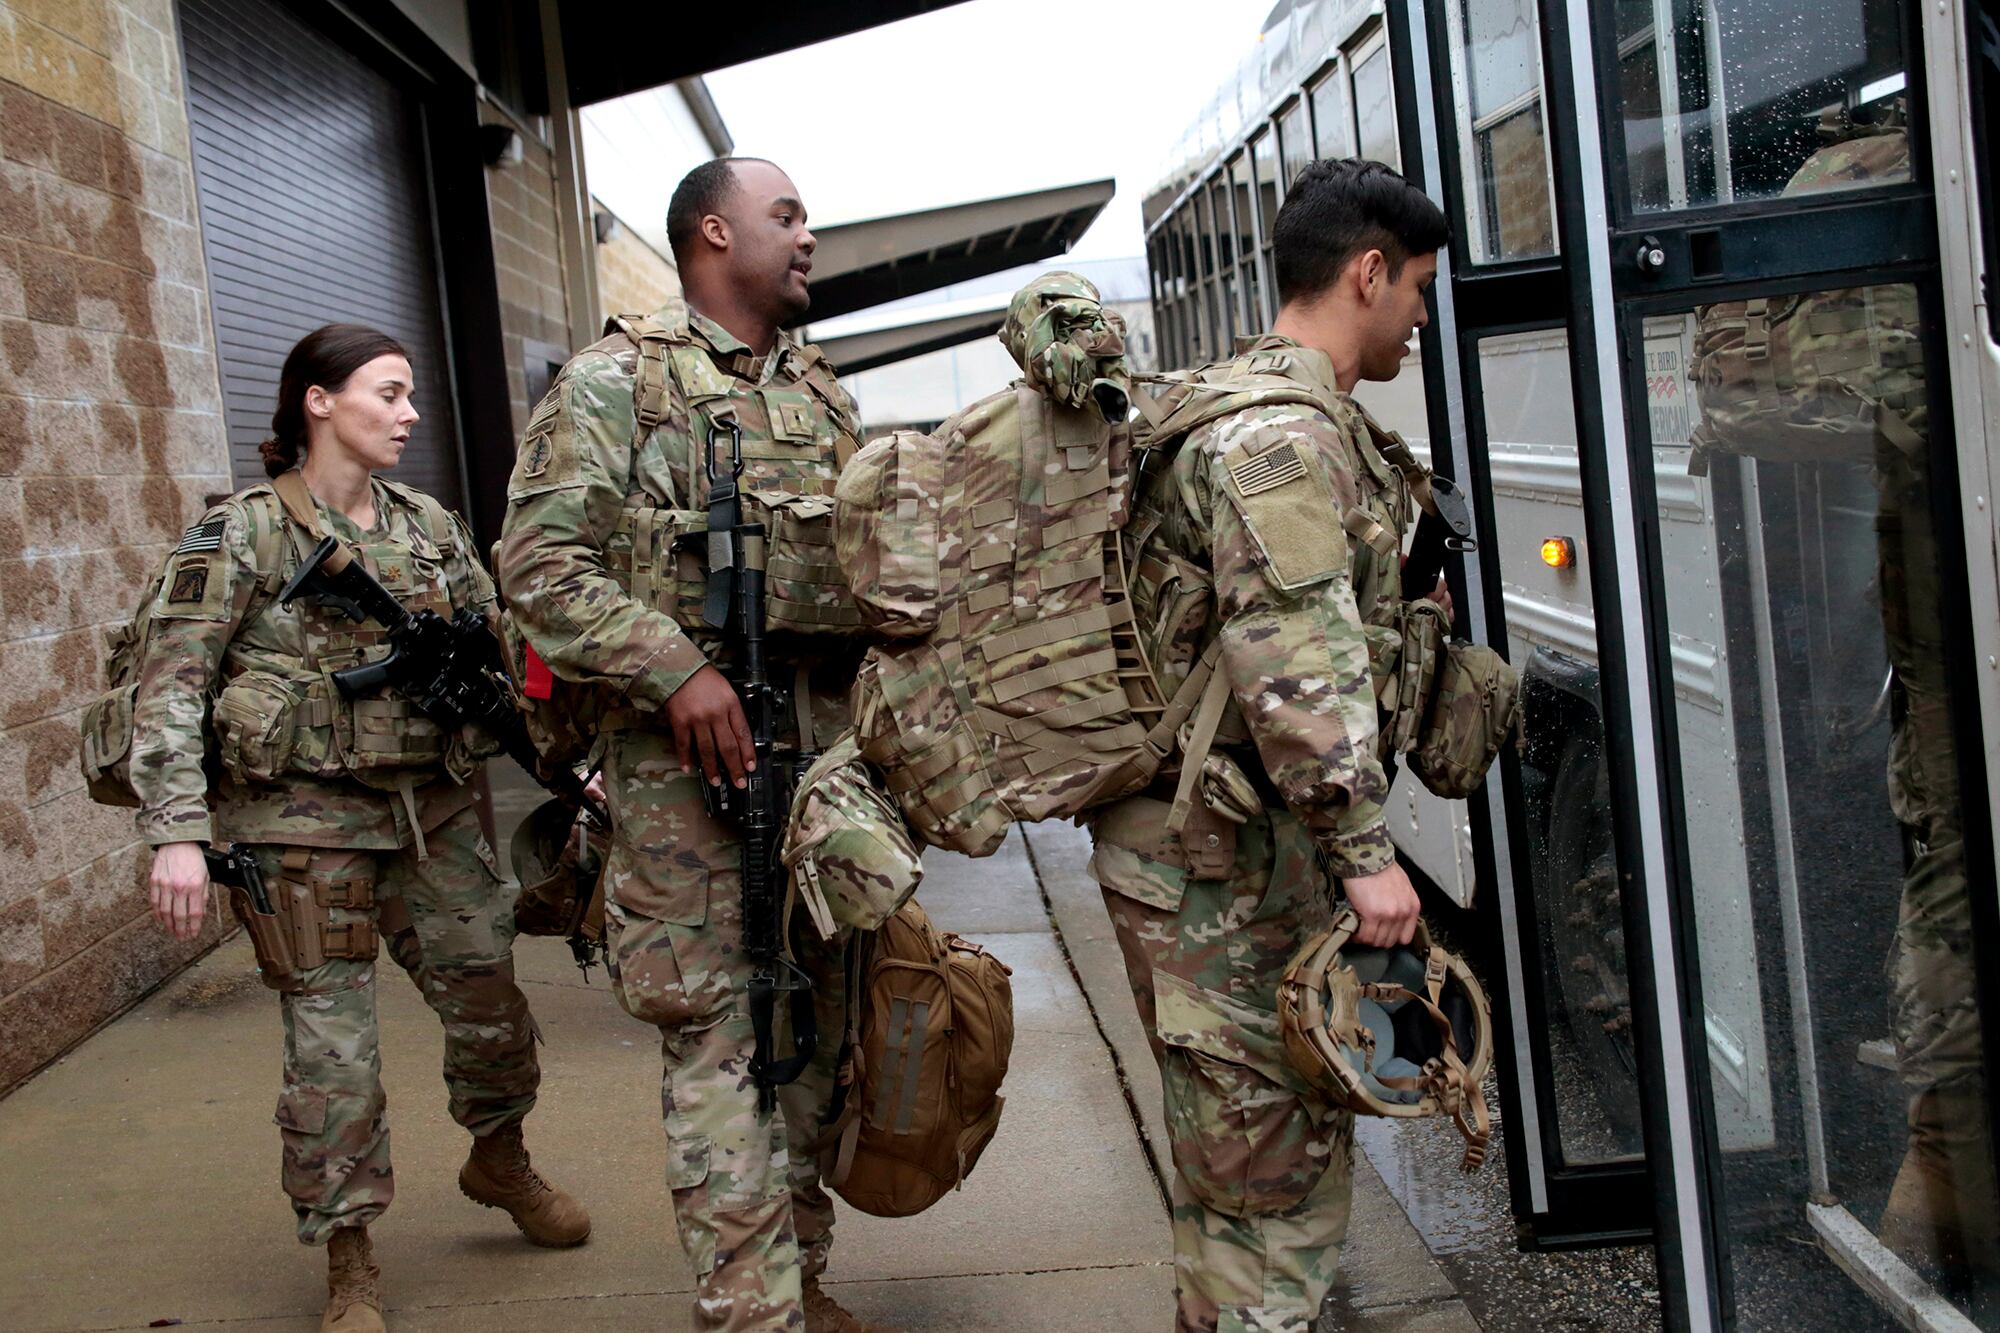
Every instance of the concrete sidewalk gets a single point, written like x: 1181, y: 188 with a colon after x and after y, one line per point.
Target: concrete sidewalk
x: 141, y: 1171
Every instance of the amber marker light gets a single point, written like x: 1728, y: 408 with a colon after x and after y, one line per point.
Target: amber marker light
x: 1558, y: 552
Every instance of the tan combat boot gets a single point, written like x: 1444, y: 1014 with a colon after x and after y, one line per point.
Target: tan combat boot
x: 825, y: 1315
x: 498, y: 1175
x: 353, y: 1284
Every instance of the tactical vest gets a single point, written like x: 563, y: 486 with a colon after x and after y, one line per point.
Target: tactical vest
x: 277, y: 711
x: 1816, y: 377
x: 794, y: 440
x: 382, y: 740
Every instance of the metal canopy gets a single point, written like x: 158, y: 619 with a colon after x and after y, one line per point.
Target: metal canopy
x: 612, y: 50
x: 851, y: 352
x: 863, y: 264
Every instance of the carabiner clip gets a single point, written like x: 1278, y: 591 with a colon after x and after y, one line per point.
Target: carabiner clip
x: 735, y: 448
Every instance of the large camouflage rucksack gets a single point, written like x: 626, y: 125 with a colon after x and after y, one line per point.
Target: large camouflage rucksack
x: 1815, y: 377
x: 1014, y: 686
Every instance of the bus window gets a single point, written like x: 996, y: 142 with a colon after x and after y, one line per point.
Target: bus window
x: 1295, y: 138
x: 1228, y: 321
x: 1497, y: 89
x: 1333, y: 133
x: 1248, y: 251
x: 1374, y: 104
x: 1729, y: 102
x: 1564, y: 827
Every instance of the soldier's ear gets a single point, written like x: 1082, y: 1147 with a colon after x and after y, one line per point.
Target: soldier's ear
x: 715, y: 230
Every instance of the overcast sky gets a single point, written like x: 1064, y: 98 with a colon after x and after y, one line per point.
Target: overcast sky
x: 991, y: 97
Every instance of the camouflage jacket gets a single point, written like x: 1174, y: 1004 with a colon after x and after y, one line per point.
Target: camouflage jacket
x: 1267, y: 500
x: 217, y: 619
x: 564, y: 561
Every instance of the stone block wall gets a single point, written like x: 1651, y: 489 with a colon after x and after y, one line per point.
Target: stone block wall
x: 632, y: 277
x: 527, y: 251
x: 111, y: 441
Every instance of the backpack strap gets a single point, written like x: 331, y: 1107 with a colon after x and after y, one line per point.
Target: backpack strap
x: 432, y: 516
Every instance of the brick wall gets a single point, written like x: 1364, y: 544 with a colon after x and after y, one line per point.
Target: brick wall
x: 111, y: 437
x: 527, y: 250
x: 632, y: 277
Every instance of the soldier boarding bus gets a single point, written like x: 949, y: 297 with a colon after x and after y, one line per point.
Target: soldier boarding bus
x: 1715, y: 354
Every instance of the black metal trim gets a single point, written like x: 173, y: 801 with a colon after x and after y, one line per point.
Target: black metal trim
x: 1813, y: 236
x: 1573, y: 221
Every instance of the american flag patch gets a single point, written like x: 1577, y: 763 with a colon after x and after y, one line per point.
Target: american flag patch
x: 202, y: 537
x: 1268, y: 470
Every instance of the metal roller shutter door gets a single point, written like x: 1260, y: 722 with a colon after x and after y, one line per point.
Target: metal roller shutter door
x: 309, y: 166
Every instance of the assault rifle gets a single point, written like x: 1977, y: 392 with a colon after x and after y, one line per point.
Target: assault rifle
x: 238, y: 869
x: 1445, y: 525
x: 735, y: 603
x: 450, y: 669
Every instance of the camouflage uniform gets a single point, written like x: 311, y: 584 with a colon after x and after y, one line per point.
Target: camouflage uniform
x: 404, y: 844
x: 752, y: 1216
x: 1308, y: 624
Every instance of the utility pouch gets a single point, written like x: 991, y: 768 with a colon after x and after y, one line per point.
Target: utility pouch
x: 256, y: 722
x: 1404, y: 695
x: 1476, y: 706
x: 269, y: 938
x: 805, y: 591
x: 106, y: 750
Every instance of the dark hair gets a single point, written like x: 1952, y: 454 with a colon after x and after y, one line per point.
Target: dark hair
x: 1342, y: 207
x: 701, y: 192
x: 327, y: 357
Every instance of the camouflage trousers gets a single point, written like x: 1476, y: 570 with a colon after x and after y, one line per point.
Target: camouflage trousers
x: 753, y: 1217
x: 448, y: 923
x: 1263, y: 1165
x: 1943, y: 1205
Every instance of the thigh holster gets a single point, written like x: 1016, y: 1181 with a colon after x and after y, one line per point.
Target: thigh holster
x: 307, y: 903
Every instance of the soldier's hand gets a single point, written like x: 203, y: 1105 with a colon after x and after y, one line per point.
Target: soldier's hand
x: 1387, y: 904
x: 1442, y: 596
x: 706, y: 721
x: 179, y: 888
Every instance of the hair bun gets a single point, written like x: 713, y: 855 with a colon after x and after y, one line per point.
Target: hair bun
x: 278, y: 456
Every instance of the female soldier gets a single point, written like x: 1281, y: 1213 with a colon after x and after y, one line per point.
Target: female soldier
x: 358, y: 810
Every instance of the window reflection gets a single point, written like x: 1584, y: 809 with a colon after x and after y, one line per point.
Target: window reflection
x: 1727, y: 99
x: 1821, y: 795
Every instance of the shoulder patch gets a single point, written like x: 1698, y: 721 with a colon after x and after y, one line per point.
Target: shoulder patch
x: 1289, y: 516
x: 190, y: 582
x: 1254, y: 474
x: 203, y: 536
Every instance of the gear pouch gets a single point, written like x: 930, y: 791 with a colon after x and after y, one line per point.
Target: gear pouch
x: 256, y: 719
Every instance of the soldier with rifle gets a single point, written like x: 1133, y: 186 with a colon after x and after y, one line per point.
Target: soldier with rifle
x: 342, y: 749
x: 667, y: 558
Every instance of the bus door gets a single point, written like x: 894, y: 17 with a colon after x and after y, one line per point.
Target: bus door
x: 1784, y: 913
x: 1473, y: 109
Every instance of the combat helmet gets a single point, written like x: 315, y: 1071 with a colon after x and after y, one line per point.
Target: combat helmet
x: 1404, y: 1031
x: 560, y: 869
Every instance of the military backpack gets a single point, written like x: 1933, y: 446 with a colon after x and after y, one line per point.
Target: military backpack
x: 1815, y: 377
x: 931, y: 1029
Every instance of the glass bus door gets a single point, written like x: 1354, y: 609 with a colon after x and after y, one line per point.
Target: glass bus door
x: 1472, y: 107
x: 1799, y: 840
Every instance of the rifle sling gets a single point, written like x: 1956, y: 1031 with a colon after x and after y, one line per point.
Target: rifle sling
x: 298, y: 501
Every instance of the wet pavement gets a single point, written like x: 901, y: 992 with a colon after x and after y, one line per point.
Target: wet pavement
x: 151, y: 1163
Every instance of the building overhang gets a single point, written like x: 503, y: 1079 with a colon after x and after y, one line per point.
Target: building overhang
x: 863, y: 264
x: 612, y: 50
x: 869, y: 348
